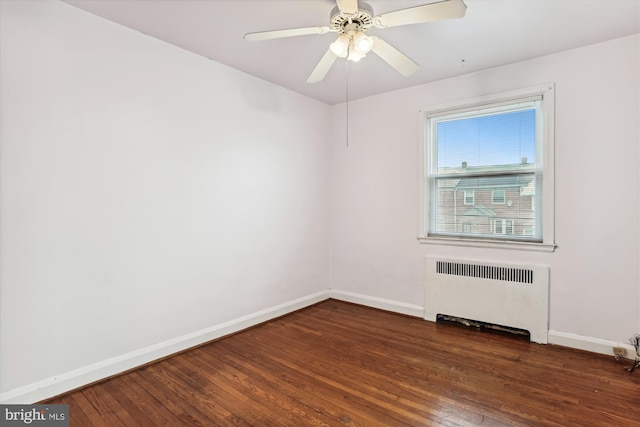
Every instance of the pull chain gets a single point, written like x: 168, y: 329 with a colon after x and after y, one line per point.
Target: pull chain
x: 346, y: 104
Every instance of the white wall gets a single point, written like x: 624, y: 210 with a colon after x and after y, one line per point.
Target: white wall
x: 595, y: 282
x: 146, y: 193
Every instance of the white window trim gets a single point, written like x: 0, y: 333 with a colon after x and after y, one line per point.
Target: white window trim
x: 546, y: 161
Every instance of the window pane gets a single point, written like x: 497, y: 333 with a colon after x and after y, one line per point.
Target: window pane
x: 484, y: 218
x: 484, y: 141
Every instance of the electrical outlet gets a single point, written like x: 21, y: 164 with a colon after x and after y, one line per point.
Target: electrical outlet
x: 620, y: 351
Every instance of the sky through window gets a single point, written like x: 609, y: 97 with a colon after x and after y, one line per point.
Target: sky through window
x: 487, y: 140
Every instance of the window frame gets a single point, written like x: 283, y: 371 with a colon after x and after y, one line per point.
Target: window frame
x: 544, y: 163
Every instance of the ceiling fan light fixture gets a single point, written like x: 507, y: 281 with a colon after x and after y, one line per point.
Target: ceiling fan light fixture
x: 340, y: 47
x: 355, y: 56
x: 362, y: 43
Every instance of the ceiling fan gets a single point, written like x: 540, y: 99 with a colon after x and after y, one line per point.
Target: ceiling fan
x: 351, y: 19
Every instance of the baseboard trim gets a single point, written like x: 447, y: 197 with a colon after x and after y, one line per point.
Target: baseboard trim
x: 375, y: 302
x: 593, y: 345
x: 67, y: 381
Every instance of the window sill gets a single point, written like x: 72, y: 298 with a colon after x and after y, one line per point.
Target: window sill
x: 493, y: 244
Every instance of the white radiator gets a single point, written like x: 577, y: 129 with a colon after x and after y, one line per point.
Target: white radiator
x: 515, y: 296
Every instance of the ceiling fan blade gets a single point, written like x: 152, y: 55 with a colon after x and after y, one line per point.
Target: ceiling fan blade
x: 278, y: 34
x: 394, y: 57
x: 322, y: 68
x: 348, y: 6
x: 448, y: 9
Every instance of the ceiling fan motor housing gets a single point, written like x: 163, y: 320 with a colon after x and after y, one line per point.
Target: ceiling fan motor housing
x: 342, y: 22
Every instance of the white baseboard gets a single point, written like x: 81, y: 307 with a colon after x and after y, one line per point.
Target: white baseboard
x: 594, y: 345
x: 67, y: 381
x: 381, y: 303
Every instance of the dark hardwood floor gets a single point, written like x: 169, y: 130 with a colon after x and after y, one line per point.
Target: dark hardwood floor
x: 341, y: 364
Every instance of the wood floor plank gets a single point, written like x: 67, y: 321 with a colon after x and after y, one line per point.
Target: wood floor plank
x: 337, y: 363
x: 84, y: 412
x: 361, y: 374
x: 266, y: 386
x: 234, y: 395
x: 155, y: 411
x: 170, y: 397
x: 318, y: 384
x: 103, y: 402
x: 408, y: 401
x: 132, y: 409
x: 205, y: 412
x: 358, y: 386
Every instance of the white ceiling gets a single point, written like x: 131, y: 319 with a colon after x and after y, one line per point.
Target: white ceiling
x: 492, y: 33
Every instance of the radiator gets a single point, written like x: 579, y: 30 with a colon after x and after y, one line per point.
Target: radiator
x: 515, y: 296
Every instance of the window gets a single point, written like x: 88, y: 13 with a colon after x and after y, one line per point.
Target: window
x: 497, y: 197
x: 488, y: 171
x: 469, y: 197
